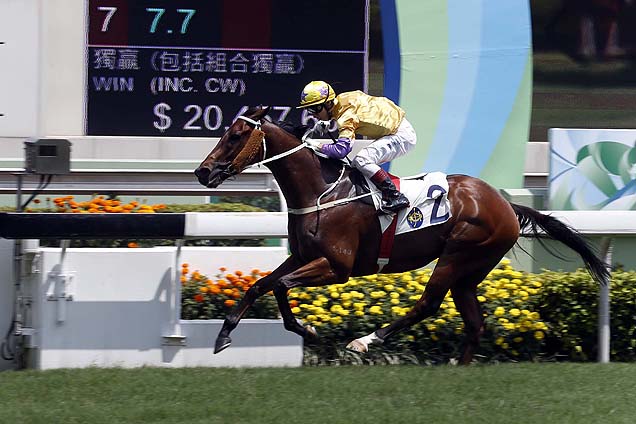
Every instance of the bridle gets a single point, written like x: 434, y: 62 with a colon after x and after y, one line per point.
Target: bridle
x: 257, y: 126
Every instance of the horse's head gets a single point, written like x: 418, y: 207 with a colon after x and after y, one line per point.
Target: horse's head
x: 237, y: 149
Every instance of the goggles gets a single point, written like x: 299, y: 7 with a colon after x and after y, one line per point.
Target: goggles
x: 316, y: 109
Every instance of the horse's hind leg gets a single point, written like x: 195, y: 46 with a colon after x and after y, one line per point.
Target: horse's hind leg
x: 465, y: 298
x: 438, y: 285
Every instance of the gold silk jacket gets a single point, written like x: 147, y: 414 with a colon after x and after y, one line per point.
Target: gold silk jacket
x: 358, y: 113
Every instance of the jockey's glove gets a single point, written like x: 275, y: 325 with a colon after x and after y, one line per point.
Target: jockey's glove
x: 321, y: 128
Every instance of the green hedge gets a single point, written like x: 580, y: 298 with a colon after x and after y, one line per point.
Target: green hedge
x: 547, y: 316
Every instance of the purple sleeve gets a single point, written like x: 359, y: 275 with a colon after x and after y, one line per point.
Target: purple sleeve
x: 337, y: 150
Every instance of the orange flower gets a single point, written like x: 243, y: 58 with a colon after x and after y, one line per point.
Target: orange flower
x: 255, y: 271
x: 185, y: 265
x: 133, y: 245
x: 199, y: 297
x: 184, y: 280
x: 236, y: 294
x: 293, y: 303
x: 228, y: 292
x: 203, y: 289
x: 215, y: 289
x: 239, y: 273
x: 229, y: 303
x: 223, y: 269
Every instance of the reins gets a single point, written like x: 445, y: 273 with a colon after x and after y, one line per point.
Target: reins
x: 304, y: 143
x: 257, y: 126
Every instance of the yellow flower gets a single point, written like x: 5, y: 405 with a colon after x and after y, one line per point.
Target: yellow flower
x: 499, y: 311
x: 311, y: 318
x: 378, y: 294
x: 336, y: 320
x: 389, y: 287
x: 295, y: 310
x: 376, y: 310
x: 334, y: 294
x: 539, y: 335
x: 359, y: 313
x: 515, y: 312
x: 481, y: 298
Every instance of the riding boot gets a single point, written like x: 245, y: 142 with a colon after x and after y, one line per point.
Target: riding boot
x: 392, y: 199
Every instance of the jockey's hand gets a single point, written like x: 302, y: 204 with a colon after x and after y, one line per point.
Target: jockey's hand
x: 321, y: 128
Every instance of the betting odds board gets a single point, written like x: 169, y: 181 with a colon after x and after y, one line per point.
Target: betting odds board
x: 188, y: 68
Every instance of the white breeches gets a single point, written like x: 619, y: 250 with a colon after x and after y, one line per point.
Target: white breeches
x: 385, y: 149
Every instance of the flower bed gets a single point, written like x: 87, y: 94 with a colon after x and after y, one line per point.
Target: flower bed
x: 528, y: 316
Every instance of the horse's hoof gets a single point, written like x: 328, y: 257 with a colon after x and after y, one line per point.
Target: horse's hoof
x: 357, y: 346
x: 311, y: 332
x: 221, y: 344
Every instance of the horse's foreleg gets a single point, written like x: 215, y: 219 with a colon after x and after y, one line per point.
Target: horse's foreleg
x: 316, y: 273
x: 259, y: 288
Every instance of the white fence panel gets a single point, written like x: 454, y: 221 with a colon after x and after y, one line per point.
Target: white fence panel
x: 124, y: 301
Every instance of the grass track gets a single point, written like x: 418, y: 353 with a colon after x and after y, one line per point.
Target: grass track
x: 510, y: 393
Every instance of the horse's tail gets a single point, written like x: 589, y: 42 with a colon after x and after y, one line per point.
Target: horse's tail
x: 531, y: 219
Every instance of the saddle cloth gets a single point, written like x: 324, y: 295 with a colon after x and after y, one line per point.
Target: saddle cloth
x: 428, y: 195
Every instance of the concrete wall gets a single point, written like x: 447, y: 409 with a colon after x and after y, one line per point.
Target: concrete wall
x: 125, y: 300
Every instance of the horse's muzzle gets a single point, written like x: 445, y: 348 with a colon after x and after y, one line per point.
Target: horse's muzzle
x: 213, y: 177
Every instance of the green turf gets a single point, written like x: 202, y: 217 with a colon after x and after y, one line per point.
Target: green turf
x: 511, y: 393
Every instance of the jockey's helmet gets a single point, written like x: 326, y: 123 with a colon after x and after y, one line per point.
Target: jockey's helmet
x: 315, y: 93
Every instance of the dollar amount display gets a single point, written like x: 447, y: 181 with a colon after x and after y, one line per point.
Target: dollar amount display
x: 207, y: 118
x: 188, y: 68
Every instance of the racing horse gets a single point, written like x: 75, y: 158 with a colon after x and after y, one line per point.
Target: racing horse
x: 330, y: 245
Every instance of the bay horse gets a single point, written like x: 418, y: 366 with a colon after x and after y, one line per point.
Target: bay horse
x: 329, y: 246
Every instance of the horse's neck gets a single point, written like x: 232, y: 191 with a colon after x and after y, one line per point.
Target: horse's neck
x: 301, y: 176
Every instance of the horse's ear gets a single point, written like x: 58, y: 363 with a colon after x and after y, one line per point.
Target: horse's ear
x: 262, y: 112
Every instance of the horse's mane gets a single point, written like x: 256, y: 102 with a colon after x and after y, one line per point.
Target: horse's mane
x: 297, y: 131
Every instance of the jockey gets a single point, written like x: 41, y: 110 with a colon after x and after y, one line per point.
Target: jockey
x: 378, y: 118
